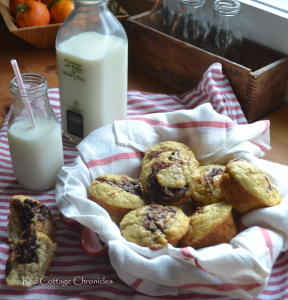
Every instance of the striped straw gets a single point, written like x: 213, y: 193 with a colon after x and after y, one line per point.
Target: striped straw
x: 21, y: 84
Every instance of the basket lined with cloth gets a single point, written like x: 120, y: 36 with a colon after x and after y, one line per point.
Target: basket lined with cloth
x: 215, y: 129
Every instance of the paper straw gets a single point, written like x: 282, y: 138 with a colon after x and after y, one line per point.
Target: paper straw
x: 21, y: 85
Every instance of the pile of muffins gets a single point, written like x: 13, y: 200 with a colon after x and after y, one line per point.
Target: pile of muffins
x: 177, y: 201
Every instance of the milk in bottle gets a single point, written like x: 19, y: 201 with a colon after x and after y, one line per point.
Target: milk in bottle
x: 35, y: 147
x: 36, y: 153
x: 92, y: 69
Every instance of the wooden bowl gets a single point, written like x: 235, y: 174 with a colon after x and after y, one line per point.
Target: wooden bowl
x: 42, y: 37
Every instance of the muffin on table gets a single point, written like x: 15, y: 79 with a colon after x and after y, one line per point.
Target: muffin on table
x: 25, y: 210
x: 247, y: 187
x: 210, y: 225
x: 117, y: 194
x: 205, y: 187
x: 154, y: 226
x: 30, y: 259
x: 166, y: 179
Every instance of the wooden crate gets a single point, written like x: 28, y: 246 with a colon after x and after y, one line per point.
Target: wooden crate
x: 42, y: 37
x: 259, y: 83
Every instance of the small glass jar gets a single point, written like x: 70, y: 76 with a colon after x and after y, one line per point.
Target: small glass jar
x: 163, y: 15
x: 223, y: 36
x: 190, y: 25
x: 35, y: 142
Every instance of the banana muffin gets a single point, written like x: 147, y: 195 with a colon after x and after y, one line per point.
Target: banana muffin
x: 210, y: 225
x: 30, y: 259
x: 247, y: 187
x: 166, y: 179
x: 154, y: 226
x: 117, y: 194
x: 171, y: 146
x: 205, y: 188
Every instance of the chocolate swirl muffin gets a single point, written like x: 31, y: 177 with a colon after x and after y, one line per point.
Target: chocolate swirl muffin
x: 205, y: 187
x: 166, y: 179
x: 247, y: 187
x: 154, y: 226
x: 117, y: 194
x: 30, y: 259
x: 24, y: 211
x: 170, y: 146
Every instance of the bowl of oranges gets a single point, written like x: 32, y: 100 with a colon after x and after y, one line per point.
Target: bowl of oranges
x: 38, y: 21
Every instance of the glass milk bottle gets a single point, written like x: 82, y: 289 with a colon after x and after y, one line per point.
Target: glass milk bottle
x: 163, y: 15
x: 92, y: 61
x: 223, y: 36
x: 190, y: 25
x: 36, y: 147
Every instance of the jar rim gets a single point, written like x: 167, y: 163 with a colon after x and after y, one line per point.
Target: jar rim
x: 227, y: 7
x: 192, y: 3
x: 38, y: 84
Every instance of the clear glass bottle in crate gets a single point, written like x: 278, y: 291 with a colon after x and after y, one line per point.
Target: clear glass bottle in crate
x: 223, y: 36
x: 190, y: 25
x: 163, y: 15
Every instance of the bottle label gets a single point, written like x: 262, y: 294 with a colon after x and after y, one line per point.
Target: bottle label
x: 74, y: 123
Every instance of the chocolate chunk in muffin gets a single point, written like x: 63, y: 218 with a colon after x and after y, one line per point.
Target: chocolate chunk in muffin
x: 25, y: 249
x: 129, y: 185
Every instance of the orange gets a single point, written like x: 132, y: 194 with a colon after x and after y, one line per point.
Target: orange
x: 32, y: 13
x: 13, y: 6
x: 60, y: 10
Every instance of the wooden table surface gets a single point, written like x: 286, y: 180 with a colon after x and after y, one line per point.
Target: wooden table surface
x: 33, y: 60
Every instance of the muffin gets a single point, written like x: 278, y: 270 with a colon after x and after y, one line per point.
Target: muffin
x: 30, y: 259
x: 210, y: 225
x: 166, y: 179
x: 154, y: 226
x: 247, y: 187
x: 24, y: 211
x: 117, y: 194
x: 205, y: 187
x: 158, y: 149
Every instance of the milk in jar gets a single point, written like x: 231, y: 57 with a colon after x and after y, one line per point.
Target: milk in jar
x: 34, y: 134
x: 92, y: 60
x: 92, y: 72
x: 36, y: 153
